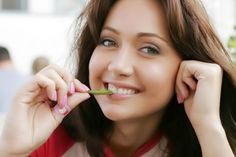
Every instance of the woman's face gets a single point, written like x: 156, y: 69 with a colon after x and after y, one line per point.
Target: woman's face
x: 135, y: 59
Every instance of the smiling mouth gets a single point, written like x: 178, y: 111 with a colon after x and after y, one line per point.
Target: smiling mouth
x: 119, y: 90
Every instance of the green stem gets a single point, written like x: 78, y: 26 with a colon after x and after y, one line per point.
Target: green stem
x: 100, y: 92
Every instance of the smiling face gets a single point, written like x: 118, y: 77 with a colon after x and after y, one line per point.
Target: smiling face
x: 134, y: 59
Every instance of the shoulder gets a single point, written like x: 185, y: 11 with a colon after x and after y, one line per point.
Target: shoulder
x: 57, y: 144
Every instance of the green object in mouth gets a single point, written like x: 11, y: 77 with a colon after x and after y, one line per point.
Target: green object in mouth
x: 100, y: 92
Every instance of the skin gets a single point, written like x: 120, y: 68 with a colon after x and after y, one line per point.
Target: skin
x: 156, y: 78
x: 129, y: 57
x: 7, y: 64
x: 31, y: 114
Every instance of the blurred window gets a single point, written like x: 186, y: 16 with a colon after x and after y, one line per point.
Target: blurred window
x: 68, y: 6
x: 42, y: 6
x: 11, y: 5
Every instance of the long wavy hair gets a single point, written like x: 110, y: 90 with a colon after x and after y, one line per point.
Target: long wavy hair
x: 193, y: 38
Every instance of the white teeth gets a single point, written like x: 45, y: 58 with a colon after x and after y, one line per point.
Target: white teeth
x: 120, y: 90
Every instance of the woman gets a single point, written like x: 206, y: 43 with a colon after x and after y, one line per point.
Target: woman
x: 171, y: 78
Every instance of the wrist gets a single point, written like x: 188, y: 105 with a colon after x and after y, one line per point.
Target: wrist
x: 206, y: 123
x: 210, y: 136
x: 214, y: 128
x: 209, y: 126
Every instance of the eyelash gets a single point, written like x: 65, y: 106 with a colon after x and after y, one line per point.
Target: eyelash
x: 151, y: 50
x: 106, y: 42
x: 148, y: 50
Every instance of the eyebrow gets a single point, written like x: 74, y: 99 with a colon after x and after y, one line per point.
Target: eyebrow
x: 111, y: 29
x: 144, y: 34
x: 141, y: 34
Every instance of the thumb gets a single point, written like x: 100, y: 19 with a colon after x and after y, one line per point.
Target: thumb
x: 77, y: 98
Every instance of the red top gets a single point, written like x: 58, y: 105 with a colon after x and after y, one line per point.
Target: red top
x: 59, y: 142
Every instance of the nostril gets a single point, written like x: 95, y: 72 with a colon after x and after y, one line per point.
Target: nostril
x: 120, y: 67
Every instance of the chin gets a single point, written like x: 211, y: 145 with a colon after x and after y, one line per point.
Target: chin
x: 113, y: 114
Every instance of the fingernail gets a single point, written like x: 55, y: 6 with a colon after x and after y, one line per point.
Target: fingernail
x: 179, y: 99
x: 72, y: 88
x: 62, y: 111
x: 84, y: 88
x: 54, y: 96
x: 64, y: 102
x: 88, y: 96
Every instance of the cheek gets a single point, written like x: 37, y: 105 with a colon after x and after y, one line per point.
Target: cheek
x: 93, y: 68
x: 97, y: 65
x: 92, y: 64
x: 160, y: 82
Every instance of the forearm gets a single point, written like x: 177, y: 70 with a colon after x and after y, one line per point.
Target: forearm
x: 5, y: 154
x: 5, y: 151
x: 213, y: 141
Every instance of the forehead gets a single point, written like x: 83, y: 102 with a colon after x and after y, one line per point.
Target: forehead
x: 138, y: 16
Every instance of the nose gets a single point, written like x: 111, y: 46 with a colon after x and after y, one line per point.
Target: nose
x: 121, y: 63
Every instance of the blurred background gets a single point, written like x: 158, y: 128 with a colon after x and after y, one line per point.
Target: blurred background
x: 29, y: 28
x: 35, y: 33
x: 39, y: 32
x: 32, y: 28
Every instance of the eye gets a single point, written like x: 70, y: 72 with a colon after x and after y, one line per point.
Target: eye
x: 107, y: 42
x: 151, y: 50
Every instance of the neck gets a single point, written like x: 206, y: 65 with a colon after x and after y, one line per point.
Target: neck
x: 129, y: 135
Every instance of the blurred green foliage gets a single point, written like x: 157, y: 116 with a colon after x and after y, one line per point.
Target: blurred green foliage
x: 232, y: 43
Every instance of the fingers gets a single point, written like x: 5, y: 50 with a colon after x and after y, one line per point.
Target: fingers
x: 60, y: 71
x: 48, y: 84
x: 63, y: 80
x: 62, y: 88
x: 73, y: 100
x: 195, y: 73
x: 80, y: 87
x: 185, y: 82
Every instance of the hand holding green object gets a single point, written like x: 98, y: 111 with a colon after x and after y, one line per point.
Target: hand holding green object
x: 100, y: 92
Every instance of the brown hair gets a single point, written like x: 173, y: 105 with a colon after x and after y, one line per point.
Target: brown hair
x: 193, y: 38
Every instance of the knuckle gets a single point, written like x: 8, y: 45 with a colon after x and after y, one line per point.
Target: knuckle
x: 64, y: 87
x: 52, y: 66
x: 183, y: 64
x: 185, y: 79
x: 52, y: 83
x: 47, y: 67
x: 216, y: 69
x: 76, y: 82
x: 38, y: 76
